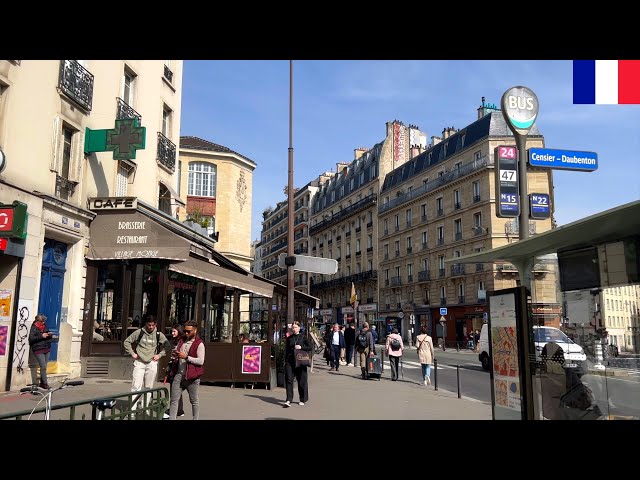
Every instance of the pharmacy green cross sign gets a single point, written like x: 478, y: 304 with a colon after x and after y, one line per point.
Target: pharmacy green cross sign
x: 123, y: 140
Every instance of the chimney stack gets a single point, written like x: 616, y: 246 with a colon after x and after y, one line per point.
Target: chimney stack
x: 358, y: 152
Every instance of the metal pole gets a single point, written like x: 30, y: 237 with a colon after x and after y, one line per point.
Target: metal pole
x: 458, y: 375
x: 291, y: 304
x: 435, y: 373
x: 523, y: 219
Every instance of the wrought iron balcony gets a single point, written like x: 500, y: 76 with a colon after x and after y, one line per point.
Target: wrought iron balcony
x: 301, y: 250
x: 457, y: 206
x: 409, y: 249
x: 397, y: 253
x: 396, y: 281
x: 423, y: 218
x: 338, y: 238
x: 369, y: 299
x: 348, y: 234
x: 397, y: 228
x: 168, y: 74
x: 64, y: 187
x: 358, y: 229
x: 369, y: 224
x: 329, y: 242
x: 458, y: 236
x: 476, y: 198
x: 359, y: 252
x: 76, y: 82
x: 409, y: 278
x: 408, y: 223
x: 386, y: 256
x: 126, y: 111
x: 166, y: 152
x: 369, y: 249
x: 441, y: 272
x: 440, y: 242
x: 424, y: 246
x: 440, y: 212
x: 423, y: 276
x: 386, y: 231
x: 512, y: 228
x: 457, y: 269
x: 347, y: 257
x: 479, y: 267
x: 461, y: 299
x: 443, y: 301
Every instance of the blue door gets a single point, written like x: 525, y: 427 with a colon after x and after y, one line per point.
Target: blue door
x: 54, y: 260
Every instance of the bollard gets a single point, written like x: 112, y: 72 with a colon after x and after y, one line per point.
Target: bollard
x: 458, y: 375
x: 435, y: 373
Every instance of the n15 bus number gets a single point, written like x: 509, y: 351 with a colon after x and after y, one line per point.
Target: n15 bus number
x: 508, y: 198
x: 507, y: 152
x: 508, y: 175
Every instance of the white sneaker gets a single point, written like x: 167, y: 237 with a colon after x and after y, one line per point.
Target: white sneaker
x: 287, y: 403
x: 301, y: 403
x: 165, y: 416
x: 425, y: 382
x: 349, y: 364
x: 428, y: 380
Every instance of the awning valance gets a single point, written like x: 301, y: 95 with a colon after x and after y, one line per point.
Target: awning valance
x: 204, y: 270
x: 173, y: 193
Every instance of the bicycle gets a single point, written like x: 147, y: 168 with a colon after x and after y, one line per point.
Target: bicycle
x: 47, y: 394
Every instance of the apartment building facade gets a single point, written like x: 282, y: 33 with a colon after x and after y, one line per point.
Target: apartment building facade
x: 46, y: 109
x: 344, y: 225
x: 441, y: 205
x: 620, y: 312
x: 217, y: 184
x: 275, y: 227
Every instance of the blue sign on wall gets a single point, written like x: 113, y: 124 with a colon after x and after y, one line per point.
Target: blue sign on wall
x: 540, y: 207
x: 443, y: 310
x: 563, y: 159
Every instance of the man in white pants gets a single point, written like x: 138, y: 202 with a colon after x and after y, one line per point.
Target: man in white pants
x: 150, y: 345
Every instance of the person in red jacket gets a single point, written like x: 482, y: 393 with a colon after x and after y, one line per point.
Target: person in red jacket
x: 190, y: 355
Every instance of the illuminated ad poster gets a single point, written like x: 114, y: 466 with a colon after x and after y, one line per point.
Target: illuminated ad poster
x: 251, y: 358
x: 3, y: 340
x: 504, y: 357
x: 5, y: 304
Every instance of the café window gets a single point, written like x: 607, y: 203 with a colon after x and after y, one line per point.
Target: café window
x: 181, y: 298
x: 254, y: 319
x: 218, y: 316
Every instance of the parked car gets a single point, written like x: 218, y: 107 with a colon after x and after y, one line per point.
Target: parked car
x: 560, y: 349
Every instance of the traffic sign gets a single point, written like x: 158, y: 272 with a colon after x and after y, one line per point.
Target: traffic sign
x: 563, y: 159
x: 507, y: 195
x: 443, y: 310
x: 443, y: 319
x: 306, y: 263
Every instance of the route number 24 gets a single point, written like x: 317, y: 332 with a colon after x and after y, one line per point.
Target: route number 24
x: 507, y: 152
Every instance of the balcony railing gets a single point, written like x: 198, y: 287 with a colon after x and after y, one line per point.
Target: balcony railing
x: 440, y: 242
x: 512, y: 228
x: 457, y: 206
x: 369, y: 249
x: 409, y: 249
x: 443, y: 301
x: 441, y: 272
x: 423, y: 218
x: 166, y: 153
x: 458, y: 236
x: 460, y: 299
x: 344, y: 213
x: 409, y: 278
x: 423, y: 276
x: 358, y: 229
x: 386, y: 256
x: 476, y: 198
x: 457, y: 269
x: 127, y: 111
x: 64, y: 187
x: 338, y: 238
x: 424, y: 246
x: 168, y: 74
x: 396, y: 281
x: 76, y: 82
x: 479, y: 267
x: 440, y: 212
x: 448, y: 177
x: 301, y: 250
x: 369, y: 224
x: 397, y: 253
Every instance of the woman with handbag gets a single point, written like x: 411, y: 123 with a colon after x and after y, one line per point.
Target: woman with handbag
x: 297, y: 357
x: 425, y: 351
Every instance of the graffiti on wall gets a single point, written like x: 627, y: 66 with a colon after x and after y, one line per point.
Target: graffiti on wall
x: 21, y: 352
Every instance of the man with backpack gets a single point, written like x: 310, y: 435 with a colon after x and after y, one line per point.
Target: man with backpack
x: 394, y: 347
x: 365, y: 347
x: 146, y: 345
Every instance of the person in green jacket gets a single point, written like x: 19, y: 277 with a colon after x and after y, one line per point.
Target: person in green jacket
x: 146, y: 345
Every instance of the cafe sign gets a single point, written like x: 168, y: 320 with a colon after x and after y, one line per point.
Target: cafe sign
x: 113, y: 203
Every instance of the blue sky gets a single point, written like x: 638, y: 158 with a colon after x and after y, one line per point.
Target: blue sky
x: 341, y: 105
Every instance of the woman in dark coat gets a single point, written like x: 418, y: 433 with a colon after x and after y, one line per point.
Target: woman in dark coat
x: 176, y: 334
x: 296, y: 341
x: 40, y: 343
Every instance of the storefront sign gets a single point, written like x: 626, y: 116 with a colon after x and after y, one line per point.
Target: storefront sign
x: 347, y: 310
x: 126, y: 235
x: 13, y: 220
x: 325, y: 311
x: 371, y: 307
x: 113, y: 203
x: 251, y: 359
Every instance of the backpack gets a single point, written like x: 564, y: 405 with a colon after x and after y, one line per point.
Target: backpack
x: 135, y: 344
x: 362, y: 340
x: 395, y: 344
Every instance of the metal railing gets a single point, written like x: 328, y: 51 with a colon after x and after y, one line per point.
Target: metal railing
x: 344, y: 213
x: 126, y: 111
x: 168, y: 74
x: 147, y: 404
x: 65, y: 187
x: 166, y: 152
x: 448, y: 177
x: 76, y: 82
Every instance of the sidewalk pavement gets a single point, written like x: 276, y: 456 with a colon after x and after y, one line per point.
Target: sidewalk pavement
x: 341, y: 395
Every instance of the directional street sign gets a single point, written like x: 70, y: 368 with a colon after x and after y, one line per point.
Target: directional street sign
x: 306, y: 263
x: 563, y: 159
x: 443, y: 310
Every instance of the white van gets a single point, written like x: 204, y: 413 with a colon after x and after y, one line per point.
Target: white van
x: 571, y: 355
x: 483, y: 347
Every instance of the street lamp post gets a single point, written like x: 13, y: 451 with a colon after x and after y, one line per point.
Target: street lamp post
x: 291, y: 304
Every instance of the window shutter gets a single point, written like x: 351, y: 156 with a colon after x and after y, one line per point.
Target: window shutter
x: 55, y: 145
x: 77, y: 156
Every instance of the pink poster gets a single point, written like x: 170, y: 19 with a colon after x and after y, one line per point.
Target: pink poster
x: 251, y: 358
x: 3, y: 340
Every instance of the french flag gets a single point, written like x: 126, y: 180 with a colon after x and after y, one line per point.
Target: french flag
x: 606, y: 82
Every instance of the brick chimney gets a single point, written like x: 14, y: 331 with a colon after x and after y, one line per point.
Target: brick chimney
x: 435, y: 140
x: 341, y: 166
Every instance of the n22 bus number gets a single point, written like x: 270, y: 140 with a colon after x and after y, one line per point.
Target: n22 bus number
x: 508, y: 175
x: 539, y: 200
x: 507, y: 152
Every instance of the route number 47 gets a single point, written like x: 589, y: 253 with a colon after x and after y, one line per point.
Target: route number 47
x: 508, y: 175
